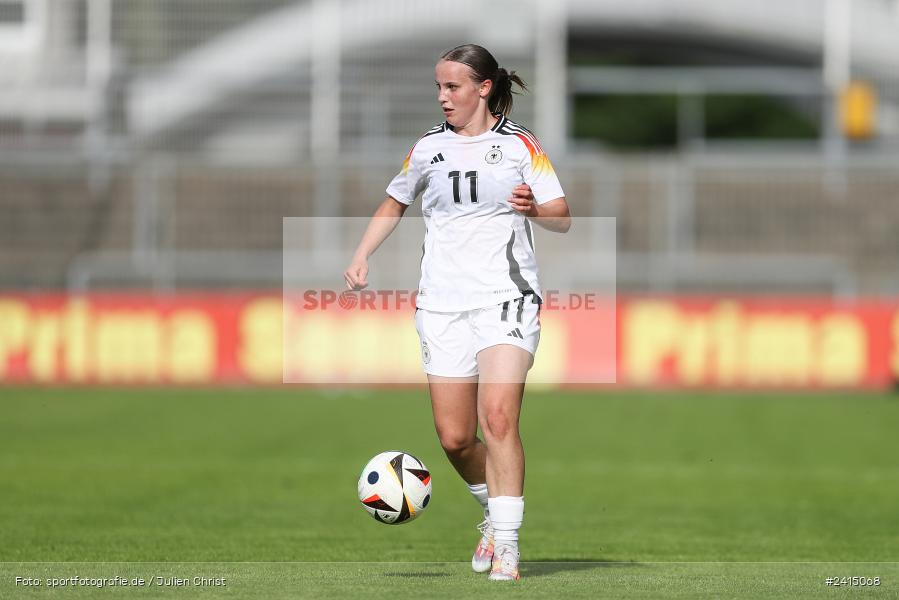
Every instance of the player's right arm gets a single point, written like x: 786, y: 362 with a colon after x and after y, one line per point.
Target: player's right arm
x: 382, y: 224
x: 401, y: 192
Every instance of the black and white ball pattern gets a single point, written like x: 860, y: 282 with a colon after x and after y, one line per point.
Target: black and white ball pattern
x: 394, y: 487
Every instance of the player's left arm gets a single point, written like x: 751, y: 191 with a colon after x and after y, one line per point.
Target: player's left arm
x: 552, y: 214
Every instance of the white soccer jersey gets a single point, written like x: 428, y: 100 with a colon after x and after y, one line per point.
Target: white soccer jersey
x: 477, y: 250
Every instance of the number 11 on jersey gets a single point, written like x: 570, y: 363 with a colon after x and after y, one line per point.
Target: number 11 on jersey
x: 472, y: 176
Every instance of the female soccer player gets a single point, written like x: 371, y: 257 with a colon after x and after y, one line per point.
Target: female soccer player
x: 484, y: 178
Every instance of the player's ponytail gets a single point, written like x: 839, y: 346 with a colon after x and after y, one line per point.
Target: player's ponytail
x: 485, y: 67
x: 500, y: 100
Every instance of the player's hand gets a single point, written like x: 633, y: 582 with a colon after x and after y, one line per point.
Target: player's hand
x: 356, y: 275
x: 523, y: 201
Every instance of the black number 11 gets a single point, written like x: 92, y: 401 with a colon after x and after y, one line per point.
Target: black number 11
x: 472, y: 176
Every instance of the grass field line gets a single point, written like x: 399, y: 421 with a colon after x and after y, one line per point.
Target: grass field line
x: 450, y: 562
x: 721, y: 467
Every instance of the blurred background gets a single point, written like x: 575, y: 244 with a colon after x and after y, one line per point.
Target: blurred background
x: 747, y: 149
x: 153, y: 153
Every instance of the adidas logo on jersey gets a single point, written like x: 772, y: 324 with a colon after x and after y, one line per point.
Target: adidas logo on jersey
x: 515, y: 333
x: 437, y: 158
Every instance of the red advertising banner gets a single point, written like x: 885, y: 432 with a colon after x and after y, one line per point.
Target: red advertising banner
x: 223, y: 338
x: 782, y: 342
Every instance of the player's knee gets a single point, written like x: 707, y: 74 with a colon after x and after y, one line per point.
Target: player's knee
x: 498, y: 424
x: 454, y: 442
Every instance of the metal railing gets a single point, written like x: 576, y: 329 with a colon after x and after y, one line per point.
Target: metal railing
x: 685, y: 223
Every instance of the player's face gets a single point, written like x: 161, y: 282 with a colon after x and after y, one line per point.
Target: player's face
x: 458, y: 94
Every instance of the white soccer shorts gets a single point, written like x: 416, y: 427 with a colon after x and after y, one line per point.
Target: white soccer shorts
x: 450, y: 341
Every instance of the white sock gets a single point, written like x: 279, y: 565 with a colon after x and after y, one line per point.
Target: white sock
x: 479, y: 491
x: 506, y: 515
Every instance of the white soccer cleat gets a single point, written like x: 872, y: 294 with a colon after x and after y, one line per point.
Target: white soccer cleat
x: 482, y: 560
x: 505, y: 564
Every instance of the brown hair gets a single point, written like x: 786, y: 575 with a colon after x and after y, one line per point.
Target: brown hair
x: 485, y: 67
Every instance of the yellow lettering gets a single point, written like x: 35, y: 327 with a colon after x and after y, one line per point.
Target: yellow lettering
x: 315, y: 347
x: 725, y: 336
x: 692, y: 347
x: 261, y: 340
x: 843, y: 350
x: 407, y: 361
x: 373, y: 347
x: 75, y: 334
x: 360, y: 350
x: 779, y: 350
x: 191, y: 347
x: 43, y: 358
x: 14, y: 325
x: 650, y: 330
x: 552, y: 354
x: 363, y: 347
x: 128, y: 346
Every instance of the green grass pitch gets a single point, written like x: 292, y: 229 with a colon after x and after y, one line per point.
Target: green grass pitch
x: 628, y: 495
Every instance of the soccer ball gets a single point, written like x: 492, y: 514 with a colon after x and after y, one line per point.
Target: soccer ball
x: 395, y: 487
